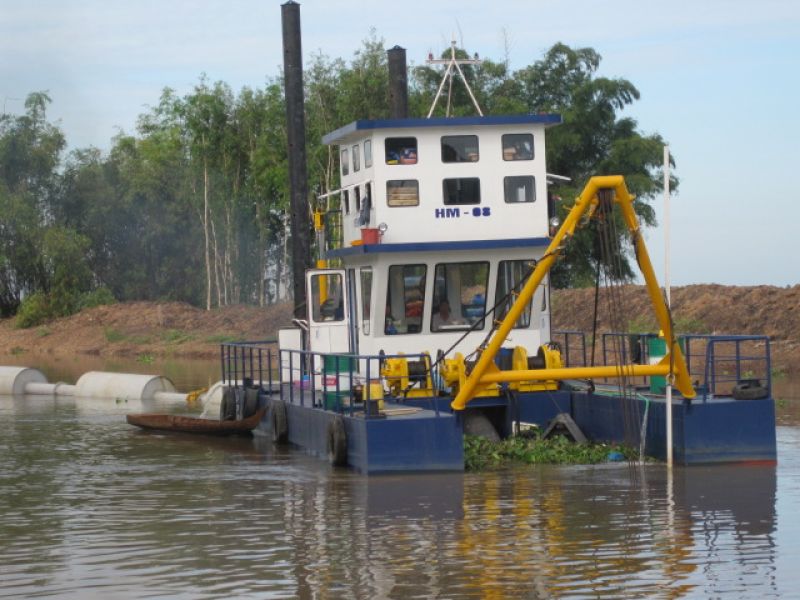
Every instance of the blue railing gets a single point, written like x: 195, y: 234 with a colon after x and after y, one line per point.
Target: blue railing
x: 248, y: 363
x: 571, y: 342
x: 726, y: 360
x: 339, y: 382
x: 716, y: 363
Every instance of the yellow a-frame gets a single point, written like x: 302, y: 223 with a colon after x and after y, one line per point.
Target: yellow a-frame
x: 485, y: 372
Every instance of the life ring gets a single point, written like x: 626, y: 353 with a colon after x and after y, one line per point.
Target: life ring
x: 280, y: 426
x: 337, y: 442
x: 227, y: 407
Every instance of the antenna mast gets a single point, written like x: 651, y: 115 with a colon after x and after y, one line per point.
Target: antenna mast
x: 453, y: 64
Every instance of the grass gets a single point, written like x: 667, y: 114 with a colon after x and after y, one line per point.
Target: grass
x: 683, y: 325
x: 43, y: 331
x: 145, y: 358
x: 529, y: 448
x: 221, y: 338
x: 176, y: 336
x: 113, y: 335
x: 16, y: 350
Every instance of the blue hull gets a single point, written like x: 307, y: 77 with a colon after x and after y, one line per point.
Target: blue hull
x: 721, y: 430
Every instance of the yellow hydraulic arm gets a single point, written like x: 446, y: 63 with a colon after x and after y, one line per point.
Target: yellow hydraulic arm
x: 485, y: 373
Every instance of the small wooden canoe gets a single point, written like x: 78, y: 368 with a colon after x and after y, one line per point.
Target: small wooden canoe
x: 184, y: 424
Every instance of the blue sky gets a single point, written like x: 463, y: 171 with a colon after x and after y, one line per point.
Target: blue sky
x: 719, y: 79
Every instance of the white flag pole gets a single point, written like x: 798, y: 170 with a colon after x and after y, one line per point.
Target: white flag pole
x: 668, y: 398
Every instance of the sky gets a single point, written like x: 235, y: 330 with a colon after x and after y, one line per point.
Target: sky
x: 719, y: 80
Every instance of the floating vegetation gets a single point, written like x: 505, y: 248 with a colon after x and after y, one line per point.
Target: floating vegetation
x: 480, y: 453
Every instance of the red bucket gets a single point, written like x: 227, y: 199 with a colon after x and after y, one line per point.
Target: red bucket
x: 370, y: 235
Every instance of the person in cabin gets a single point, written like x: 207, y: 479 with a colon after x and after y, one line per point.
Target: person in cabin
x: 444, y: 317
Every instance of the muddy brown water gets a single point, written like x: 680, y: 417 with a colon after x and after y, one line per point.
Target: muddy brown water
x: 93, y: 508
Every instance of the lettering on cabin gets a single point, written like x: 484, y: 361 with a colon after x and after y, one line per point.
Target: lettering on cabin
x: 450, y: 213
x: 447, y: 213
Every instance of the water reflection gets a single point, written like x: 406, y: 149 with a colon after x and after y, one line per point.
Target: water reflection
x: 92, y: 507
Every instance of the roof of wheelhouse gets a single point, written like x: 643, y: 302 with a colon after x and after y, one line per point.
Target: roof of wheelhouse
x: 343, y: 134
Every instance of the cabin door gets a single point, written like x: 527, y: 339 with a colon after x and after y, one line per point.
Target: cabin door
x: 328, y: 311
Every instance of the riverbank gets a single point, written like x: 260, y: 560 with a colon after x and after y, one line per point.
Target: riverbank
x: 172, y: 329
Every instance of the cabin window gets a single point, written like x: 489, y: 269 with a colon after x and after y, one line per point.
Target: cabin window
x: 512, y: 275
x: 366, y: 298
x: 401, y: 151
x: 518, y: 146
x: 327, y: 300
x: 519, y: 188
x: 345, y: 162
x: 368, y: 195
x: 405, y: 299
x: 346, y: 202
x: 367, y: 154
x: 356, y: 159
x: 464, y: 190
x: 459, y: 296
x: 459, y: 148
x: 357, y: 192
x: 402, y: 192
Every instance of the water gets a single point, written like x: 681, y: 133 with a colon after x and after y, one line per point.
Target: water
x: 93, y: 508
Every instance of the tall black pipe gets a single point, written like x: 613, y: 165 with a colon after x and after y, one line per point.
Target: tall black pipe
x: 398, y: 83
x: 296, y: 128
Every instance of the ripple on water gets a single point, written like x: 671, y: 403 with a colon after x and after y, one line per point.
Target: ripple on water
x: 90, y: 507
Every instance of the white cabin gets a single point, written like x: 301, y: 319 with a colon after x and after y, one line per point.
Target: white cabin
x: 440, y: 218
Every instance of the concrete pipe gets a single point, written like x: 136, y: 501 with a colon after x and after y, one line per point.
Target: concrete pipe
x: 126, y: 387
x: 14, y: 380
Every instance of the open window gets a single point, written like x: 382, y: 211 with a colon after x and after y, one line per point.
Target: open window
x: 367, y: 154
x: 462, y: 190
x: 401, y: 151
x: 459, y: 148
x: 459, y: 296
x: 345, y: 162
x: 518, y: 146
x: 327, y: 297
x: 366, y: 298
x: 519, y: 189
x: 511, y: 276
x: 405, y: 299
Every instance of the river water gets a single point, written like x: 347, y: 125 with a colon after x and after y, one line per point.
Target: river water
x: 93, y: 508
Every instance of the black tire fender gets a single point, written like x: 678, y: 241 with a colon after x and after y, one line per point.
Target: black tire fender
x: 227, y: 407
x: 250, y: 402
x: 337, y: 442
x: 279, y: 422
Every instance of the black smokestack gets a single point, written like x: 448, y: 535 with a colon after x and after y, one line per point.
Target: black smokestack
x: 295, y: 121
x: 398, y: 83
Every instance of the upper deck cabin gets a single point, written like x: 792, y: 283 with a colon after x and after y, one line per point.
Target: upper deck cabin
x: 443, y: 179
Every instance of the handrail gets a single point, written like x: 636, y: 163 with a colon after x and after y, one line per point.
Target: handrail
x: 306, y: 360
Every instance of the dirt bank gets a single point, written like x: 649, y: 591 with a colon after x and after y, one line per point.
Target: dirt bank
x: 176, y: 329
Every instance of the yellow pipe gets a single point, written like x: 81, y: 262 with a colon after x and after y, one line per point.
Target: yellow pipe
x: 576, y: 373
x: 587, y: 198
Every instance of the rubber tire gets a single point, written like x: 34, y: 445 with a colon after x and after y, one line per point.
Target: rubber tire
x: 279, y: 423
x: 250, y: 402
x: 749, y: 391
x: 478, y: 424
x: 227, y: 407
x: 337, y: 442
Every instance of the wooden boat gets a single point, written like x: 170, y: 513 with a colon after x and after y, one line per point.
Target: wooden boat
x: 186, y: 424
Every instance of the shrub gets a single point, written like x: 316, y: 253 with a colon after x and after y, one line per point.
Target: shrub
x: 98, y: 297
x: 34, y: 310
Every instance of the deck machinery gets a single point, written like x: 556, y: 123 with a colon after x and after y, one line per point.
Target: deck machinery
x: 436, y: 316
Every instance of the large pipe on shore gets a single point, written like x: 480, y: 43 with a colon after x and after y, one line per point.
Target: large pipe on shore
x: 296, y: 130
x: 398, y: 83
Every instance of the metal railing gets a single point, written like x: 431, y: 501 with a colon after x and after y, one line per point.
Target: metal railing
x: 571, y: 342
x: 338, y: 382
x: 248, y: 363
x: 726, y: 360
